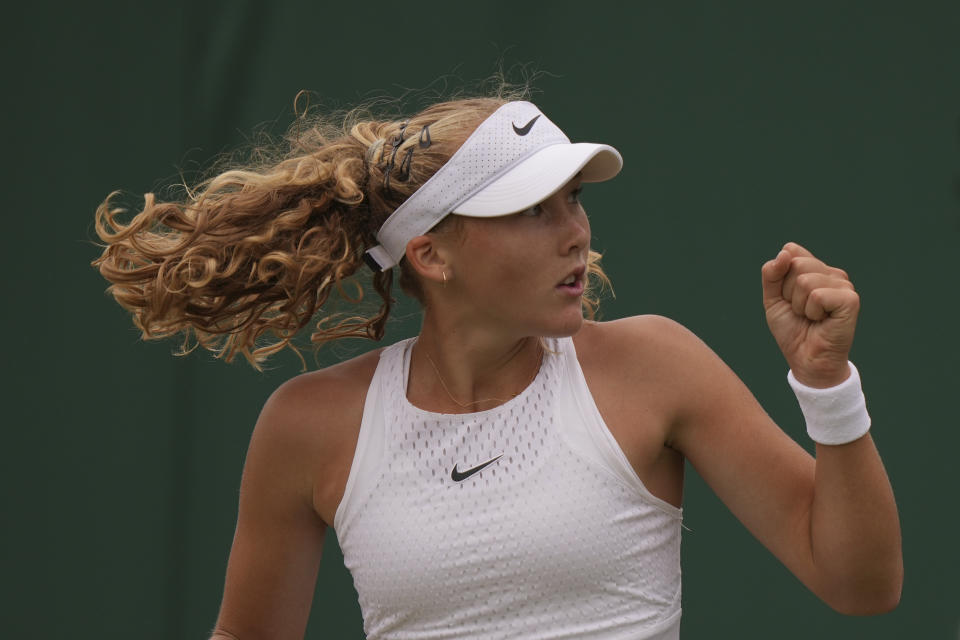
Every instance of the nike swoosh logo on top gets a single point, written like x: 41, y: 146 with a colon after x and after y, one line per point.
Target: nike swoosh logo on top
x: 460, y: 476
x: 525, y: 129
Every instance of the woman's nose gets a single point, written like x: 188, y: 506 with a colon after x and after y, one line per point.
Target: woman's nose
x: 577, y: 227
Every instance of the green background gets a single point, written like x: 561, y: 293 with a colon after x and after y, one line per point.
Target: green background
x: 743, y: 125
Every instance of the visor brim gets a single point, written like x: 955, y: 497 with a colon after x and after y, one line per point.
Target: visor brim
x: 540, y: 176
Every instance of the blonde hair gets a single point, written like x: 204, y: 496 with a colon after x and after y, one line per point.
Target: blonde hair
x: 249, y: 256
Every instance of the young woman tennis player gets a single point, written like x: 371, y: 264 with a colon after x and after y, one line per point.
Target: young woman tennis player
x: 515, y: 470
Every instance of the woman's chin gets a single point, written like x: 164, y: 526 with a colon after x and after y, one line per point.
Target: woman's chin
x: 564, y: 326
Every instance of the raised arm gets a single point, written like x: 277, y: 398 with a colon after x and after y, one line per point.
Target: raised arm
x: 832, y: 521
x: 277, y: 546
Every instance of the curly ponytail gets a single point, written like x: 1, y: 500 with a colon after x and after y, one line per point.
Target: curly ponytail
x: 247, y: 259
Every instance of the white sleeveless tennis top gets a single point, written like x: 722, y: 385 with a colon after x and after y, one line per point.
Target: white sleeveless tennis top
x: 523, y: 521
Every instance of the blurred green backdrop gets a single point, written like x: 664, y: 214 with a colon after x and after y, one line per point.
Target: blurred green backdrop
x: 742, y: 124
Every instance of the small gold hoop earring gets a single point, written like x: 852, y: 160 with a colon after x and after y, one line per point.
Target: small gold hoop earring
x: 444, y: 274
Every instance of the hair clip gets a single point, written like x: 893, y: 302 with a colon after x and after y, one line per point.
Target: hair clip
x: 405, y: 166
x: 386, y: 176
x: 425, y: 140
x: 397, y: 141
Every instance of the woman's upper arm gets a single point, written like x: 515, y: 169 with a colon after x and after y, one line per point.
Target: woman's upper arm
x: 277, y: 545
x: 763, y: 476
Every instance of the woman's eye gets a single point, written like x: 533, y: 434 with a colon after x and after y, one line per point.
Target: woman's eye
x: 533, y: 211
x: 575, y: 195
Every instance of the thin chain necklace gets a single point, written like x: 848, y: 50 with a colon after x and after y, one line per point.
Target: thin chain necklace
x: 467, y: 405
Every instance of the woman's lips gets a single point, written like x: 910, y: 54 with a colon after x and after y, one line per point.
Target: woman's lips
x: 574, y: 289
x: 573, y: 284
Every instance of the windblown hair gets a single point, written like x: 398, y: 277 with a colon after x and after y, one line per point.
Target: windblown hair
x: 248, y: 257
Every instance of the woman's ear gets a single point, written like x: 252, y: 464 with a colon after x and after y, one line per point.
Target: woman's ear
x: 429, y: 259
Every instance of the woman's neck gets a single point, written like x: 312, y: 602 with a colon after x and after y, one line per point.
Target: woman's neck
x: 463, y: 370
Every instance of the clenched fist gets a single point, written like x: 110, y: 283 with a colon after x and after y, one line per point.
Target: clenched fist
x: 811, y: 310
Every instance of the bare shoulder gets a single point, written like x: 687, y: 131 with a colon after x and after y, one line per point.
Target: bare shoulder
x: 641, y: 330
x: 326, y: 393
x: 309, y: 426
x: 703, y: 400
x: 636, y: 369
x: 641, y: 344
x: 651, y: 362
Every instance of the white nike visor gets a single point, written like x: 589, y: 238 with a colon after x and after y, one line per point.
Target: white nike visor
x: 514, y: 160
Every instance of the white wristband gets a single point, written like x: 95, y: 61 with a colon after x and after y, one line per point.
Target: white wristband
x: 836, y: 415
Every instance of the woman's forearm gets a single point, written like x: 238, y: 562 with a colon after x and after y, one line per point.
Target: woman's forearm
x: 855, y: 529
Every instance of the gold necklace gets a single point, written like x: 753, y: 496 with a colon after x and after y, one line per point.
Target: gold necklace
x: 536, y: 369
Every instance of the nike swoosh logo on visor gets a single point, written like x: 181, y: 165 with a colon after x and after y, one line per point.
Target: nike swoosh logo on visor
x: 459, y: 476
x: 525, y: 129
